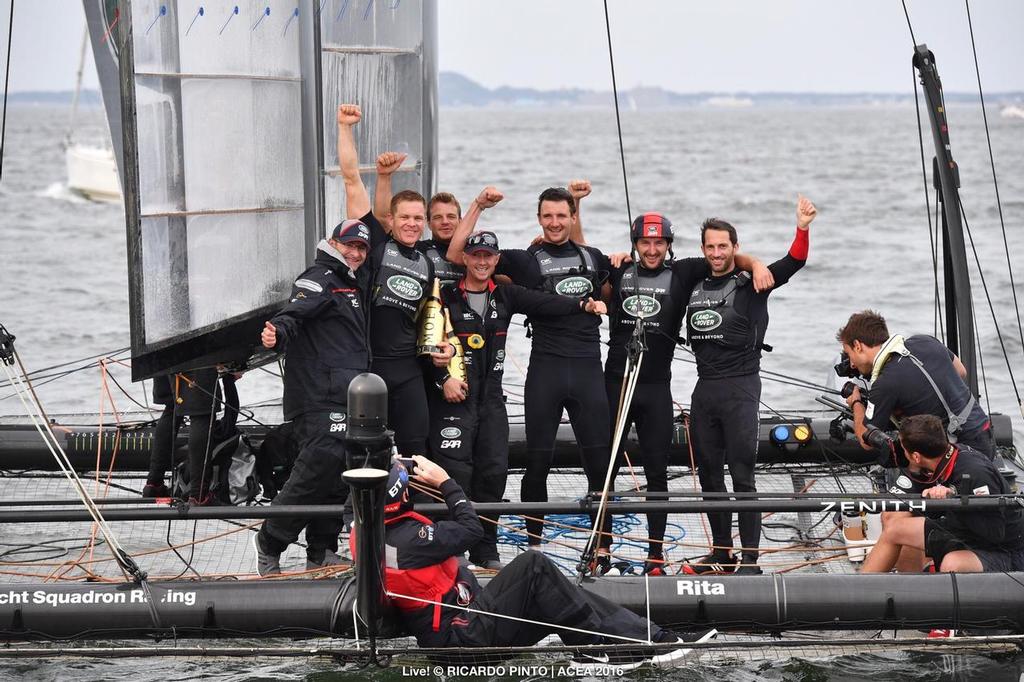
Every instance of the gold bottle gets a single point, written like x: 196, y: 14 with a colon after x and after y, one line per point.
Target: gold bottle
x: 432, y: 321
x: 457, y: 365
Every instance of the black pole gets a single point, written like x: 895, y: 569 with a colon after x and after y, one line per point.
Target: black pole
x: 868, y: 503
x: 954, y: 249
x: 368, y: 446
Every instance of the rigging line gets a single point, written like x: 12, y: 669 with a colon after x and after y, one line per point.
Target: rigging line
x: 995, y: 182
x: 991, y: 307
x: 618, y: 120
x: 981, y: 360
x: 7, y: 82
x: 52, y: 444
x: 935, y: 256
x: 909, y: 25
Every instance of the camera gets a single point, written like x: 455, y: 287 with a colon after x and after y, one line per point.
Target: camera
x: 844, y: 368
x: 849, y: 387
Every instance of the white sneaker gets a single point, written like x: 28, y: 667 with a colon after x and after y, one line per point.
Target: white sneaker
x: 676, y: 657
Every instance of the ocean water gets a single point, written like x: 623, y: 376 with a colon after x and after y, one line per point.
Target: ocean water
x: 63, y: 289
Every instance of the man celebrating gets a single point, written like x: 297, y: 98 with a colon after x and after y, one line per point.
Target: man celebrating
x: 565, y: 361
x: 909, y: 376
x: 400, y: 279
x: 322, y: 332
x: 726, y: 321
x: 469, y: 430
x: 442, y: 604
x: 958, y: 542
x: 443, y: 216
x: 654, y: 290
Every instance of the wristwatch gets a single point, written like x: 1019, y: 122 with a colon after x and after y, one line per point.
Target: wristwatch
x: 440, y: 383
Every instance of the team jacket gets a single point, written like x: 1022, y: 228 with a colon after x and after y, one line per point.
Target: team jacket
x: 973, y: 474
x: 420, y: 561
x: 323, y: 333
x: 483, y: 339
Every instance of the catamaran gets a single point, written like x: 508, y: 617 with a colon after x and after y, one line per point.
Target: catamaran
x: 221, y: 123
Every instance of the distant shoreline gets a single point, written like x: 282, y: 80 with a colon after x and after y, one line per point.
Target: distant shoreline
x: 459, y: 92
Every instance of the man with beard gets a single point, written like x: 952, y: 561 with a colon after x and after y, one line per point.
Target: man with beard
x: 400, y: 279
x: 565, y: 361
x: 655, y: 290
x: 469, y: 429
x: 726, y: 321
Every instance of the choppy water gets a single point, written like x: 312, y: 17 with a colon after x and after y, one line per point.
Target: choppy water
x: 64, y: 294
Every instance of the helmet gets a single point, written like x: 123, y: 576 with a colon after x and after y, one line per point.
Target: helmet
x: 651, y: 225
x: 395, y: 499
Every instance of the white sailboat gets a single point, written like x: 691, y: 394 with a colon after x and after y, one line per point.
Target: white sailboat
x: 91, y: 169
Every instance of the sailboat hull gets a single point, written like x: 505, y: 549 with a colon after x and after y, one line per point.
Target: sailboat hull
x: 93, y: 173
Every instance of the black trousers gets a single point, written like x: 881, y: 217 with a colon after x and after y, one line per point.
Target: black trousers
x: 470, y: 441
x: 531, y: 587
x: 576, y: 385
x: 651, y: 411
x: 197, y: 393
x: 725, y: 431
x: 315, y: 479
x: 407, y: 403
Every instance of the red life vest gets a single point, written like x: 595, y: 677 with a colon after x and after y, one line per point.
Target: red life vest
x: 429, y: 582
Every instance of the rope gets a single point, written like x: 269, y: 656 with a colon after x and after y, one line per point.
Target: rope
x: 995, y: 181
x: 7, y: 78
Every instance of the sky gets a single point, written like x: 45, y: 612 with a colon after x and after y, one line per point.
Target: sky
x: 681, y: 45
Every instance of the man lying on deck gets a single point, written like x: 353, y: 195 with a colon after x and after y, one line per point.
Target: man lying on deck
x: 442, y: 604
x: 957, y: 541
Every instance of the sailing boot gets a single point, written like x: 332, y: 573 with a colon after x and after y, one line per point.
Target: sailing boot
x: 715, y: 563
x: 266, y: 562
x: 655, y: 565
x: 321, y: 559
x: 155, y: 490
x: 748, y: 566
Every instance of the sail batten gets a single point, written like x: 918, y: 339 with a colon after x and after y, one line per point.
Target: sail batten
x: 230, y: 174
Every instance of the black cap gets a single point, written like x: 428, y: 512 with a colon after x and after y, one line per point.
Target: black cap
x: 351, y: 231
x: 482, y: 240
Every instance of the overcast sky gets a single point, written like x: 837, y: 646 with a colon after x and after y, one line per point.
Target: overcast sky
x: 682, y: 45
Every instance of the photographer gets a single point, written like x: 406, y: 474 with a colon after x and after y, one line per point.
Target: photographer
x: 441, y: 603
x: 910, y: 376
x: 958, y: 541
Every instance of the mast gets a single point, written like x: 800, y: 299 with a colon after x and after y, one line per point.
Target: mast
x: 959, y: 312
x: 78, y: 88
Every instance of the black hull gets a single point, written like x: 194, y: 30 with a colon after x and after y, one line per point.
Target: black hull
x: 22, y: 448
x: 310, y: 608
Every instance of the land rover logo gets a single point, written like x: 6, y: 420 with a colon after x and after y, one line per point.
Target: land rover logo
x: 705, y: 320
x: 648, y: 306
x: 451, y: 432
x: 574, y: 287
x: 406, y: 287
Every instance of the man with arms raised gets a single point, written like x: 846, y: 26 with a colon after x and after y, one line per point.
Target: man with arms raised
x: 726, y: 320
x: 656, y: 289
x: 565, y: 362
x: 443, y: 216
x: 400, y: 278
x: 469, y: 427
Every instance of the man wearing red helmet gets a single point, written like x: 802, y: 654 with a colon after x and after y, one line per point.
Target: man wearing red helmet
x: 655, y: 291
